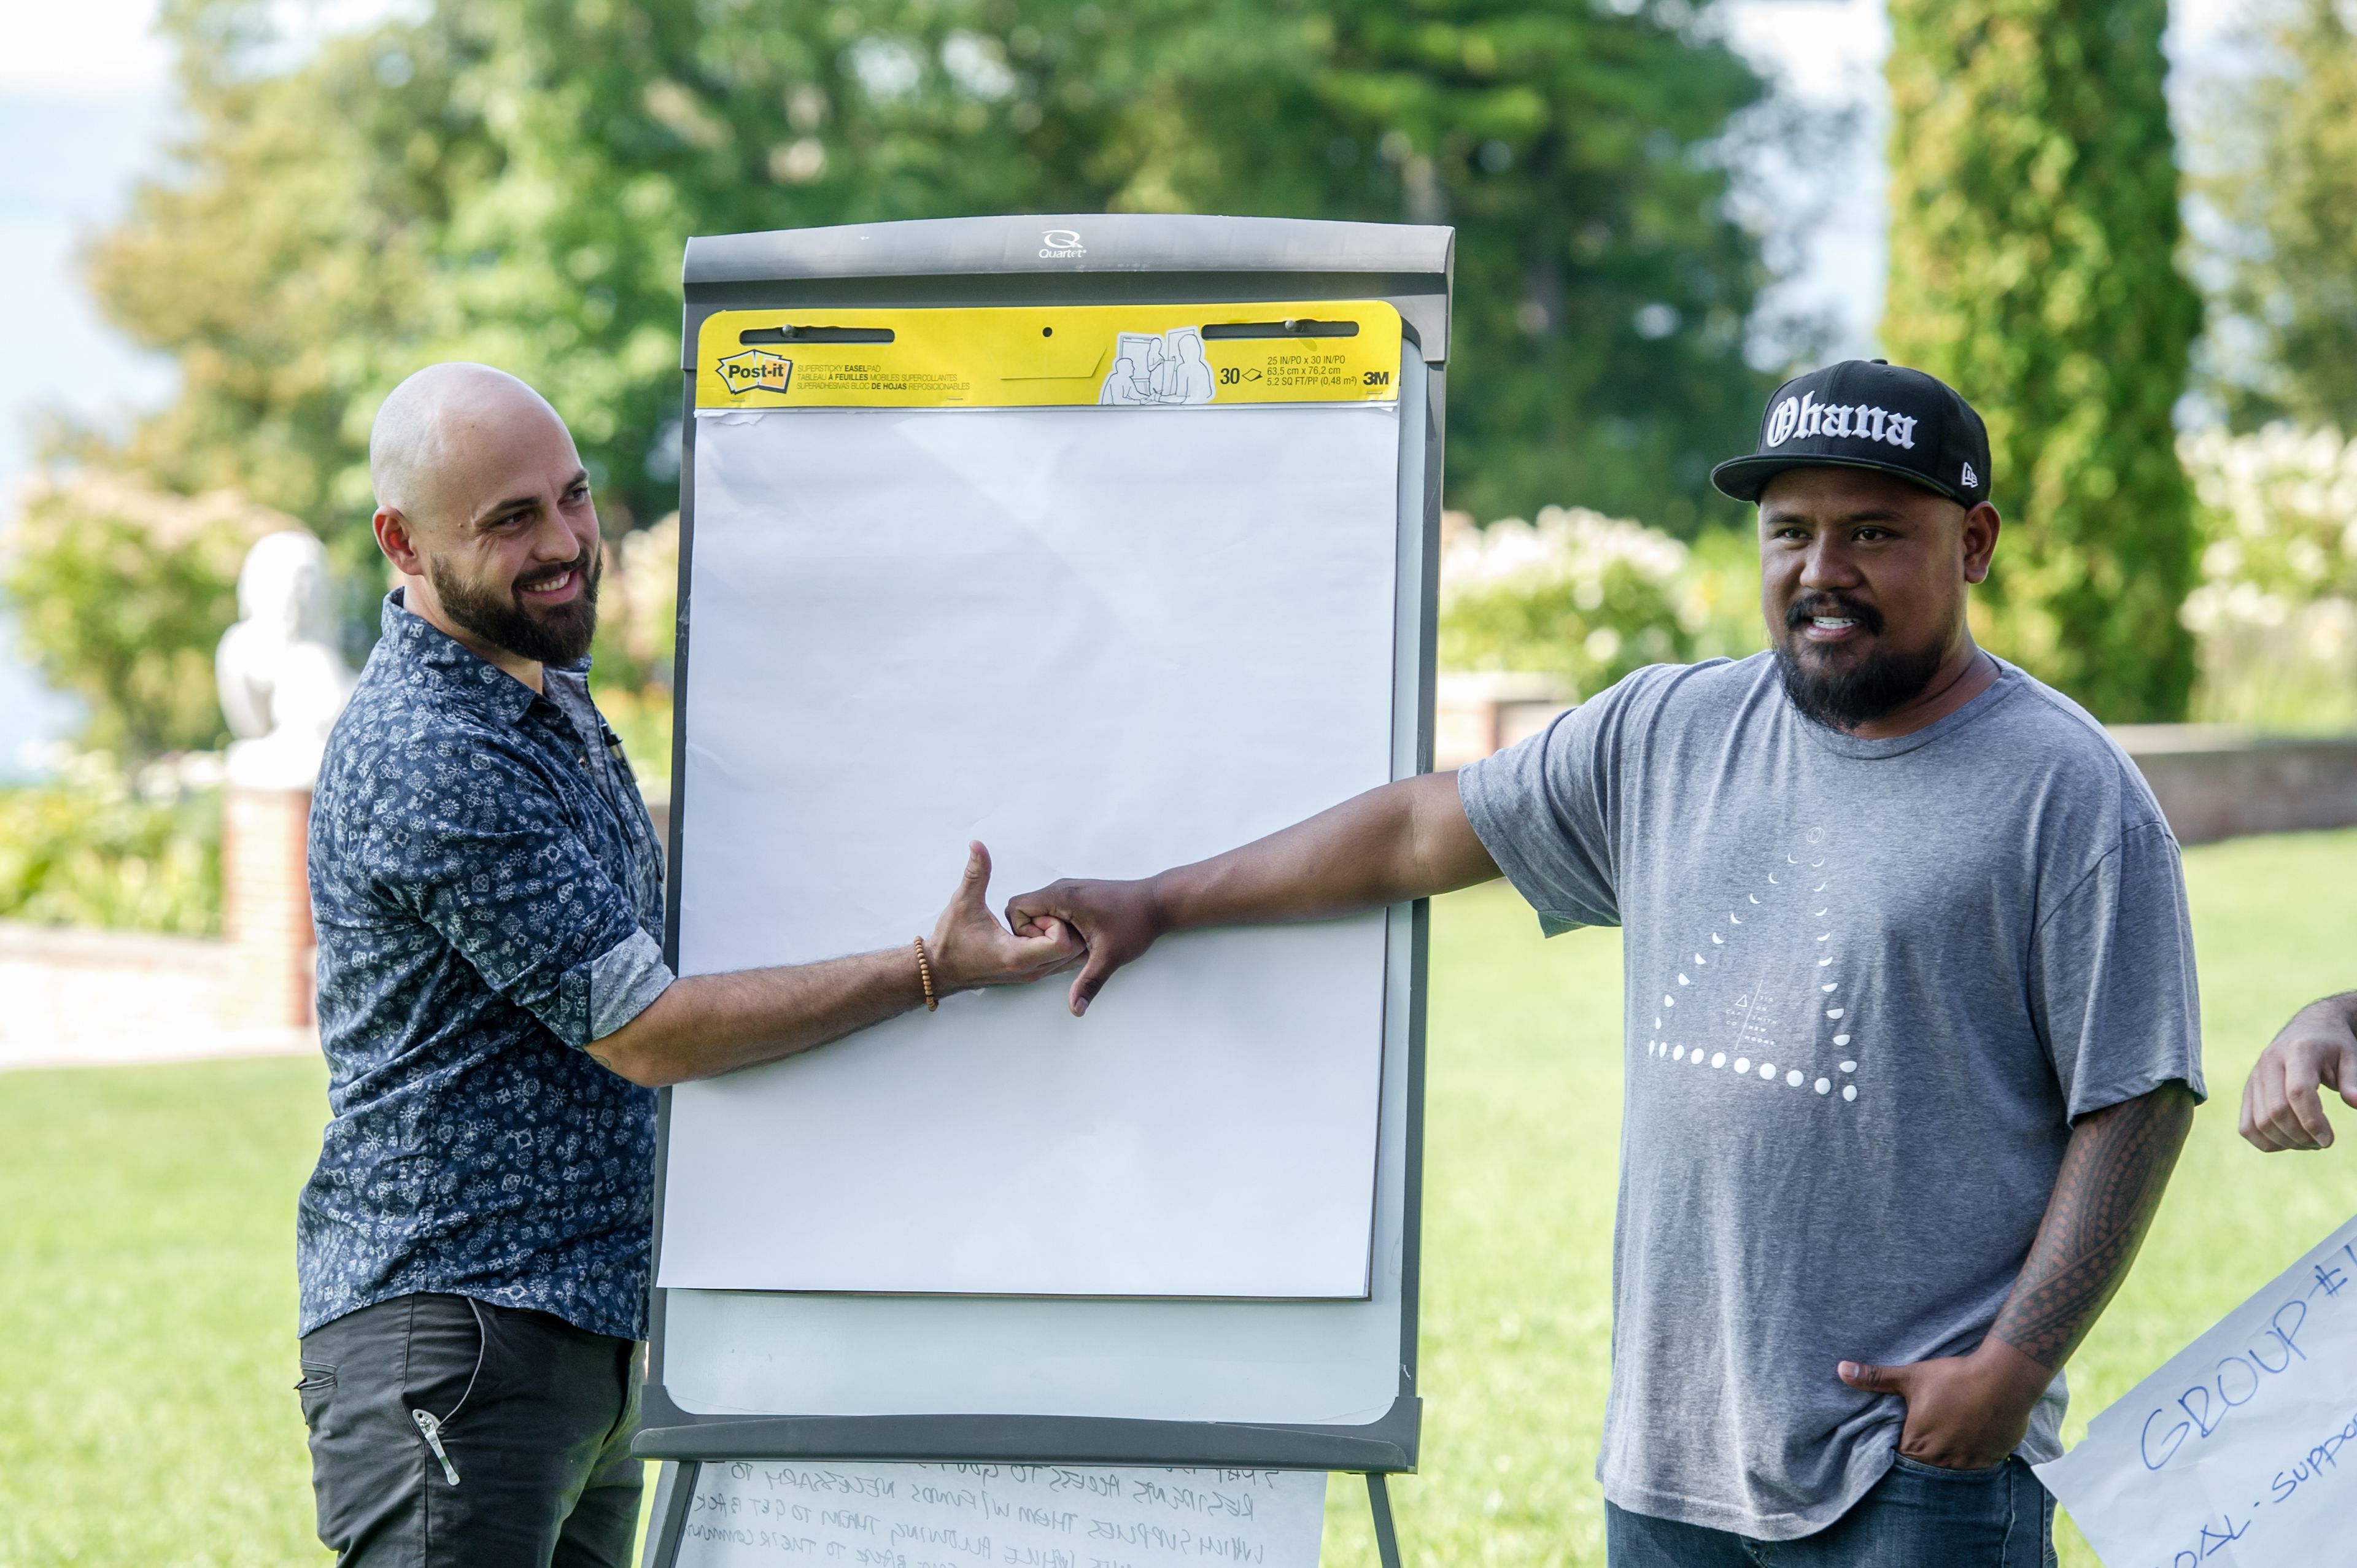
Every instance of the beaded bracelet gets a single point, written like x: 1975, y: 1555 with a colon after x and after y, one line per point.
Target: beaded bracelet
x: 925, y: 977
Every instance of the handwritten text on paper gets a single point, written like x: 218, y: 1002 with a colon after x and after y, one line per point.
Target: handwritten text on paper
x: 751, y: 1514
x: 2234, y: 1452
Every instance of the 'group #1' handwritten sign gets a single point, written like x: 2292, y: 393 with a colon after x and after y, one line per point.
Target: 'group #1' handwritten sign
x: 756, y: 1513
x: 2233, y: 1451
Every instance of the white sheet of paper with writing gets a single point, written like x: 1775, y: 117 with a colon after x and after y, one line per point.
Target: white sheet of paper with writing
x: 751, y: 1514
x: 2234, y: 1452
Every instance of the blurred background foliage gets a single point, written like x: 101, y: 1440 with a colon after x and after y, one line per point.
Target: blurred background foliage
x: 98, y: 846
x: 513, y: 180
x: 2034, y: 266
x: 2277, y: 172
x: 124, y: 591
x: 2276, y: 611
x: 1587, y: 598
x: 1577, y: 594
x: 637, y: 612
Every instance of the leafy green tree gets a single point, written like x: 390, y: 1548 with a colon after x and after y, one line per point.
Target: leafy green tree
x: 1601, y: 289
x: 2034, y: 222
x: 2281, y: 144
x: 122, y: 592
x: 285, y: 255
x: 513, y: 179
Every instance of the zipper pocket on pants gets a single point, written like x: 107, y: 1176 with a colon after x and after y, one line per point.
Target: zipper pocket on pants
x: 429, y: 1425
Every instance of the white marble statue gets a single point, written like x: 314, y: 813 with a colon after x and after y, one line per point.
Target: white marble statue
x: 283, y: 679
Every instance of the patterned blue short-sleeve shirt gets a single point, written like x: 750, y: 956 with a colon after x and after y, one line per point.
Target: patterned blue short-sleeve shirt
x: 489, y: 897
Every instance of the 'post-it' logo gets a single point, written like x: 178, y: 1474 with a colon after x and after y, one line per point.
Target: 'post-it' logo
x: 755, y: 370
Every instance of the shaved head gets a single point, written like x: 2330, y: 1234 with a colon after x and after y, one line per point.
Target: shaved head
x: 429, y: 421
x: 483, y: 505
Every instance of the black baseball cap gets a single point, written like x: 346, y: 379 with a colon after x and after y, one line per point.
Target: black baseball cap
x: 1868, y: 413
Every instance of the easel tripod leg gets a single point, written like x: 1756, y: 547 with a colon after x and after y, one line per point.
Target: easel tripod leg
x: 1386, y: 1536
x: 674, y: 1490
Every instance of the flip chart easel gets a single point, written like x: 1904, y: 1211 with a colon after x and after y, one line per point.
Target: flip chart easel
x: 1275, y: 386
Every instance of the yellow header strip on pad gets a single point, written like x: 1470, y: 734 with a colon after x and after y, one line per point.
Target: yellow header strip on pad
x: 1144, y: 356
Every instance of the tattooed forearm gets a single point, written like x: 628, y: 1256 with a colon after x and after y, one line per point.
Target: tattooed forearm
x: 2112, y: 1173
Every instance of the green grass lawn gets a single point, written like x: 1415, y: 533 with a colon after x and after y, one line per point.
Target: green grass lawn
x: 147, y: 1285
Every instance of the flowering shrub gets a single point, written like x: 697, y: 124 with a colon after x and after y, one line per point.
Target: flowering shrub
x: 2276, y: 611
x: 1588, y: 598
x: 1577, y: 595
x: 123, y: 592
x: 97, y: 847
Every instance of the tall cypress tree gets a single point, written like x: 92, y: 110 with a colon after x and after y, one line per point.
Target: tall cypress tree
x: 2034, y: 232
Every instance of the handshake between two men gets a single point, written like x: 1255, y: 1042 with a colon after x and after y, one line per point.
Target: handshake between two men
x: 1910, y: 1037
x: 1407, y: 840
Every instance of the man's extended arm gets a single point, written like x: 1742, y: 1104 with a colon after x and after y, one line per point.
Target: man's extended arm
x: 710, y: 1023
x: 1404, y: 839
x: 1968, y: 1412
x: 2318, y: 1049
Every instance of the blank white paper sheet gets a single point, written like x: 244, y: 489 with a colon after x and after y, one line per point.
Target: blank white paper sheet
x: 1103, y: 640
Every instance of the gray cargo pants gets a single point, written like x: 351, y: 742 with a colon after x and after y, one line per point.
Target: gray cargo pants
x: 534, y: 1417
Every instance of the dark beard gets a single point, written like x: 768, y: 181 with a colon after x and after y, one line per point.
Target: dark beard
x: 558, y: 636
x: 1857, y: 689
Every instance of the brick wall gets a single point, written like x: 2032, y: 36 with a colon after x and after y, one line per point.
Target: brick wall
x: 266, y: 907
x: 2215, y: 782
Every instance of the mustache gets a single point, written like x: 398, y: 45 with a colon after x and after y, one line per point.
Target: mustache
x: 580, y: 563
x: 1808, y: 607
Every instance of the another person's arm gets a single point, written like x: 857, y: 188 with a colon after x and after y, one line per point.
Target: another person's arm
x: 1969, y: 1412
x: 710, y: 1023
x: 2318, y: 1049
x: 1402, y: 840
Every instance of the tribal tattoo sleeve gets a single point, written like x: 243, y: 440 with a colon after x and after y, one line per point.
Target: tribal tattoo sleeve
x: 2113, y: 1171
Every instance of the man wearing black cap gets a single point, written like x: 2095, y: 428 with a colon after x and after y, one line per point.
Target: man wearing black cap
x: 1911, y: 1035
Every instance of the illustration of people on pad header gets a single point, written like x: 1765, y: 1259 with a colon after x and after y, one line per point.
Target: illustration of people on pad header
x: 1911, y: 1040
x: 1151, y: 368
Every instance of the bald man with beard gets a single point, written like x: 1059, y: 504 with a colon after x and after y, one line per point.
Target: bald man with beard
x: 473, y: 1248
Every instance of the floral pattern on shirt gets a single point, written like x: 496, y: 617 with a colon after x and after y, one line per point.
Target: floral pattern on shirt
x: 468, y: 874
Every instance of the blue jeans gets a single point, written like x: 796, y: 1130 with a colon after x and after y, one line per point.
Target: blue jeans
x: 1916, y: 1517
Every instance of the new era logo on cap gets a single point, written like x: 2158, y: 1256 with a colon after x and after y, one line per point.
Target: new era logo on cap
x: 1866, y: 413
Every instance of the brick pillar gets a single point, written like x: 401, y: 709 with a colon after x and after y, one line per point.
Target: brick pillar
x: 266, y: 907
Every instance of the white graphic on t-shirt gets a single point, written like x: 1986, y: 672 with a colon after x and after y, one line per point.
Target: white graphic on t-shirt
x: 1768, y: 988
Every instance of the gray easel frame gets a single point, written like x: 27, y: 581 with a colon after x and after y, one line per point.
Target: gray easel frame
x: 1126, y: 259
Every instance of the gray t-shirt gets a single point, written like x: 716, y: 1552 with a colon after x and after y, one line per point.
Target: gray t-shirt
x: 1870, y: 984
